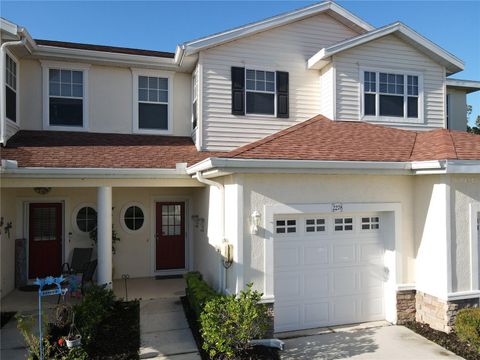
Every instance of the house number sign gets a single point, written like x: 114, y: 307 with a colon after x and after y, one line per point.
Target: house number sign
x: 337, y: 207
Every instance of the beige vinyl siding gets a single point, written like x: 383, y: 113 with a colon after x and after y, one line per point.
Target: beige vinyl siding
x: 327, y: 99
x: 110, y: 99
x: 390, y: 53
x: 286, y: 48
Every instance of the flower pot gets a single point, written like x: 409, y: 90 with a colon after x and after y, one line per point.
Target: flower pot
x: 74, y: 342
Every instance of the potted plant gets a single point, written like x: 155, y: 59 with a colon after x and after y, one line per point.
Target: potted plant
x: 73, y: 339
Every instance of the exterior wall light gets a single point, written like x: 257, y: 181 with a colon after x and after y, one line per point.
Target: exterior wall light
x: 255, y: 222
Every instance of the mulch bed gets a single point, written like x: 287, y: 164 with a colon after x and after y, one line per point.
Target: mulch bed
x: 5, y: 317
x: 448, y: 341
x: 118, y: 338
x: 257, y: 353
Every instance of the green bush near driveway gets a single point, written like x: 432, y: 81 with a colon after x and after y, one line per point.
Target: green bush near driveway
x: 198, y: 292
x: 467, y: 326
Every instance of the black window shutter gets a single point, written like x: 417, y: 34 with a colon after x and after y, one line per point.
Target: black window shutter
x: 282, y: 94
x: 238, y: 91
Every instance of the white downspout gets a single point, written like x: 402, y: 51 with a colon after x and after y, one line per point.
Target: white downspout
x: 3, y: 125
x: 221, y: 188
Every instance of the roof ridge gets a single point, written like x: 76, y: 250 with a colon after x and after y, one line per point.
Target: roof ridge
x: 275, y: 136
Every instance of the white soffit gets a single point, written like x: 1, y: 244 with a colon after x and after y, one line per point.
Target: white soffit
x: 331, y: 8
x: 410, y: 36
x: 468, y: 86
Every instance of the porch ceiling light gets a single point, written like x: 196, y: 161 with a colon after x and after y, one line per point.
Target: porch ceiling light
x: 255, y: 222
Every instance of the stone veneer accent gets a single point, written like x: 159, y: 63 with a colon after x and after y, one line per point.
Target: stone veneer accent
x: 406, y: 306
x: 440, y: 314
x: 271, y: 315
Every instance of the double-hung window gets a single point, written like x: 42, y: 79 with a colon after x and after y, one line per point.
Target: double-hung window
x: 194, y: 100
x: 152, y: 97
x: 391, y: 95
x: 65, y: 96
x: 10, y: 88
x: 260, y: 92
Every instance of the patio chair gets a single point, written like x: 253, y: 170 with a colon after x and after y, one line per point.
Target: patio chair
x: 87, y: 278
x: 80, y: 259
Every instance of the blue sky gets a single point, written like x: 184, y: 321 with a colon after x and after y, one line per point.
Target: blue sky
x: 160, y: 25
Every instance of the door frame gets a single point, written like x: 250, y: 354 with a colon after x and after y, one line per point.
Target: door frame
x: 23, y: 209
x: 188, y: 235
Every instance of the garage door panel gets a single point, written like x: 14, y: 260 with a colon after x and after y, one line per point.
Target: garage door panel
x: 287, y: 256
x: 328, y: 277
x: 316, y: 255
x: 344, y: 254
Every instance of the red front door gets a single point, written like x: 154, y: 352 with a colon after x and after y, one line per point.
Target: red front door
x: 170, y: 236
x: 45, y: 240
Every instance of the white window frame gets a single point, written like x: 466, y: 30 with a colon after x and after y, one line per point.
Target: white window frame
x: 152, y: 73
x: 343, y: 224
x: 390, y: 119
x: 274, y: 115
x: 122, y: 217
x: 286, y: 226
x: 46, y: 66
x: 195, y: 87
x: 315, y: 225
x: 15, y: 123
x: 75, y: 213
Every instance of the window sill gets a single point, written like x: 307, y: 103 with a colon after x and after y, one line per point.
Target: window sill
x: 261, y: 115
x: 65, y: 128
x: 392, y: 119
x: 152, y: 132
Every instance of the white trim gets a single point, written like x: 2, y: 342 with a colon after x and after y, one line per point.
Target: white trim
x: 389, y: 119
x: 467, y: 85
x: 462, y: 295
x: 474, y: 246
x: 448, y: 233
x: 122, y: 216
x: 194, y: 46
x: 393, y: 258
x: 169, y: 75
x: 74, y: 214
x: 187, y: 200
x: 46, y: 66
x: 451, y: 62
x: 15, y: 124
x: 406, y: 287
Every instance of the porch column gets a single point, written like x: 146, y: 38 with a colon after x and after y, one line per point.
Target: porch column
x: 104, y: 235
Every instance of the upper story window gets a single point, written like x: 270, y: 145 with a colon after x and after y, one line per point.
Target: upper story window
x: 260, y: 92
x: 390, y: 96
x: 152, y: 102
x: 10, y: 88
x: 65, y: 96
x: 194, y: 100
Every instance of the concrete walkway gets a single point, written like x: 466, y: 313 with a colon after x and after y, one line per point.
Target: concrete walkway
x: 364, y: 342
x: 12, y: 344
x: 164, y: 331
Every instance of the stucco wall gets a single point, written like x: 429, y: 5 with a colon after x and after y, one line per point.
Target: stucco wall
x: 134, y: 252
x: 110, y: 98
x: 261, y: 190
x: 465, y: 193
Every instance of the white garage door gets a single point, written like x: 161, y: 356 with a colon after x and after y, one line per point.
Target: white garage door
x: 329, y: 270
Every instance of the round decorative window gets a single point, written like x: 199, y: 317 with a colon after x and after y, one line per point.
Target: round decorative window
x: 86, y: 219
x: 133, y: 217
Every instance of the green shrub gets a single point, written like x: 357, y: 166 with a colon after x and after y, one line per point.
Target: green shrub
x: 467, y: 326
x: 198, y: 292
x: 228, y: 323
x: 96, y: 306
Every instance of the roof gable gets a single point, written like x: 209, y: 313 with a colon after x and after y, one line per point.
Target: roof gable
x: 331, y: 8
x: 410, y: 36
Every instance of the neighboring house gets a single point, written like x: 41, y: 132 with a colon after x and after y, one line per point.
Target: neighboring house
x: 320, y: 148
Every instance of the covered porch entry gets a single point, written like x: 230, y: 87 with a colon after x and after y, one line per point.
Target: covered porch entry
x: 136, y: 228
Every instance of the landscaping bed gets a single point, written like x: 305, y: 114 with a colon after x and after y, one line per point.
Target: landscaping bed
x: 448, y: 341
x: 257, y: 353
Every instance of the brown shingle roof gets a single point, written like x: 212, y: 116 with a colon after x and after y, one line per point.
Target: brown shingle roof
x: 94, y: 150
x: 322, y: 139
x: 111, y: 49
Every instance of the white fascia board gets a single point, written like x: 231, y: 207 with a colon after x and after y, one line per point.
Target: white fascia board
x: 111, y: 173
x: 463, y: 166
x: 451, y: 62
x: 468, y: 85
x: 8, y: 27
x: 105, y: 57
x: 296, y: 165
x: 194, y: 46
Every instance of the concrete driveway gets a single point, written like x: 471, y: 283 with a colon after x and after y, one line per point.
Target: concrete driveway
x: 380, y: 342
